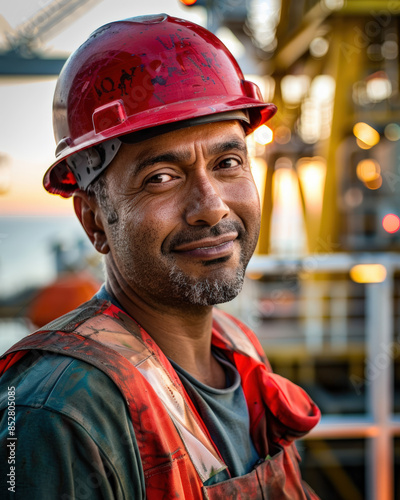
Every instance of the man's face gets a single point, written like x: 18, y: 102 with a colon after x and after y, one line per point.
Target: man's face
x: 188, y: 216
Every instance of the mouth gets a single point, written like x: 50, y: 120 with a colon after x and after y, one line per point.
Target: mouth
x: 208, y: 248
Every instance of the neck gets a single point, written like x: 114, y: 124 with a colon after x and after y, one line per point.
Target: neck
x: 182, y: 333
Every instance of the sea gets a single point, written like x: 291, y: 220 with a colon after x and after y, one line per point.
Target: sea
x: 28, y: 259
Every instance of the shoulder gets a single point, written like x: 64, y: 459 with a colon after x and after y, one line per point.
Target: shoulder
x: 69, y: 387
x: 65, y: 404
x: 44, y: 378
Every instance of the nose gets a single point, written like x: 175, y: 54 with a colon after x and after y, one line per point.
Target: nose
x: 205, y: 205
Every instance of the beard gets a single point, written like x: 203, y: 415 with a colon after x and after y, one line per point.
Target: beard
x: 168, y: 284
x: 221, y: 286
x: 205, y: 291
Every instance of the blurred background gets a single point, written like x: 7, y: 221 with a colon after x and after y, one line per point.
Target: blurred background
x: 323, y: 291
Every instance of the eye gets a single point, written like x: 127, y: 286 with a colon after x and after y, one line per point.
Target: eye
x: 228, y: 163
x: 159, y: 178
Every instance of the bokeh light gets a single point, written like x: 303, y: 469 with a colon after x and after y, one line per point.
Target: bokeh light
x: 365, y: 133
x: 353, y: 197
x: 319, y: 46
x: 374, y: 184
x: 294, y: 88
x: 392, y: 132
x: 368, y: 273
x: 368, y: 170
x: 259, y: 172
x: 379, y: 88
x: 391, y: 223
x: 312, y: 173
x: 362, y: 144
x: 263, y: 135
x: 282, y: 134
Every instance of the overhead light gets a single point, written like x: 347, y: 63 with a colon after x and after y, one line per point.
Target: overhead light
x: 189, y: 3
x: 310, y: 121
x: 374, y: 184
x: 334, y: 4
x: 287, y: 232
x: 368, y: 273
x: 259, y: 172
x: 391, y: 223
x: 263, y: 135
x: 378, y: 89
x: 294, y: 88
x: 319, y: 47
x: 362, y: 144
x: 368, y: 170
x: 312, y: 173
x: 367, y: 134
x: 317, y: 110
x: 323, y: 88
x: 262, y: 19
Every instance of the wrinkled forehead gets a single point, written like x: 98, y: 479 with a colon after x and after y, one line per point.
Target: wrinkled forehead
x: 182, y: 146
x: 89, y: 164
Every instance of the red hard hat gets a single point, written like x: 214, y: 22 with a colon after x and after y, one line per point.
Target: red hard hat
x: 140, y: 73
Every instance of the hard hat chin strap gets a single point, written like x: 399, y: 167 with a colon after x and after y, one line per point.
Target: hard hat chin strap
x: 88, y: 164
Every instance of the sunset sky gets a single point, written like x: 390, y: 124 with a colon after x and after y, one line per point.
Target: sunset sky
x: 26, y: 135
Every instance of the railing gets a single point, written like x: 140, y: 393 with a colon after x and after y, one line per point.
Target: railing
x: 379, y: 424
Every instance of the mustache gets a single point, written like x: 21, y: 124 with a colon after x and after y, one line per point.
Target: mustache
x: 197, y: 233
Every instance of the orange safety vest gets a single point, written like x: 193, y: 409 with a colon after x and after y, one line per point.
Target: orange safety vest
x: 176, y: 450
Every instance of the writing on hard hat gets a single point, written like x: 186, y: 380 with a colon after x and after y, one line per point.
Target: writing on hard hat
x: 136, y: 78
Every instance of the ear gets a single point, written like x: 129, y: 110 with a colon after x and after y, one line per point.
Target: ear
x: 90, y: 216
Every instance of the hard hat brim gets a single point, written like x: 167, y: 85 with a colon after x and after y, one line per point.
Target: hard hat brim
x: 59, y: 179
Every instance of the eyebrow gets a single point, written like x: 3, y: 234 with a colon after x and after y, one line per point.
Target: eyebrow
x: 224, y: 147
x: 147, y: 160
x: 167, y: 157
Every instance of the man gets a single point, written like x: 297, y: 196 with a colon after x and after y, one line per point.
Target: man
x: 147, y: 391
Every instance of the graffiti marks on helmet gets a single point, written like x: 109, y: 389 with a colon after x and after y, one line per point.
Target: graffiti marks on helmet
x: 175, y: 40
x: 107, y: 84
x: 126, y: 77
x: 137, y: 82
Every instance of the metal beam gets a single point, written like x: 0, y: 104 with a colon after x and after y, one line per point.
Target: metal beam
x: 370, y: 7
x: 12, y: 64
x: 298, y: 43
x: 44, y: 22
x: 379, y: 384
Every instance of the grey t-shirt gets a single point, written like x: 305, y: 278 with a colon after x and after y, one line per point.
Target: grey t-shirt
x: 226, y: 416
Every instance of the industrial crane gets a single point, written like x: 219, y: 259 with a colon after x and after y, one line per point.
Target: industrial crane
x: 24, y: 55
